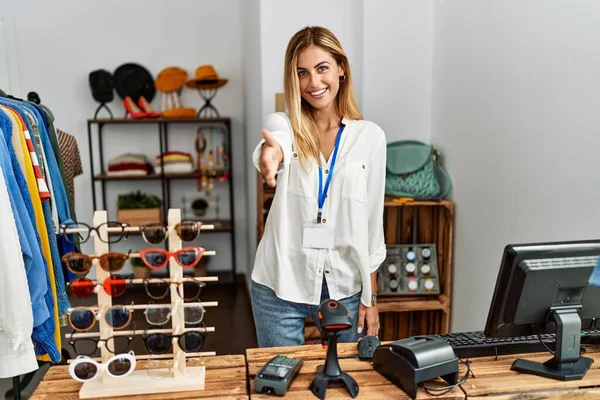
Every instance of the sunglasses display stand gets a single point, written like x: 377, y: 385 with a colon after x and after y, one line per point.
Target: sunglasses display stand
x: 180, y: 377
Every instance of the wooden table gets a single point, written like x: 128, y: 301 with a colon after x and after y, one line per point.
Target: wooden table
x: 489, y: 377
x: 225, y: 379
x: 493, y: 377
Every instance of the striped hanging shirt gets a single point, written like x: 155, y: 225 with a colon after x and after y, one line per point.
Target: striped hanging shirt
x: 41, y: 183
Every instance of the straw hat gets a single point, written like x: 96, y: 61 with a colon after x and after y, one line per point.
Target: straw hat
x: 206, y: 78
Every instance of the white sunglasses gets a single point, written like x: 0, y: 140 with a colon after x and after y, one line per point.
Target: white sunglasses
x: 85, y: 369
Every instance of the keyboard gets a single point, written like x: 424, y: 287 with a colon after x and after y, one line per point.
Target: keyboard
x: 476, y: 344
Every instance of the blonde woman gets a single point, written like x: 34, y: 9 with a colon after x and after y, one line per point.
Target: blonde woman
x: 323, y: 237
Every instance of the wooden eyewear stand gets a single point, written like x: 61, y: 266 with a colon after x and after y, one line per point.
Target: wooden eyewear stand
x: 180, y: 377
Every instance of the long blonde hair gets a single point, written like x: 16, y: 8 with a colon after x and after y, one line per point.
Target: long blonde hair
x: 300, y: 111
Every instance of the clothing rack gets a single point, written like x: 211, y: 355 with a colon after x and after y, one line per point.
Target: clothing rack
x: 40, y: 149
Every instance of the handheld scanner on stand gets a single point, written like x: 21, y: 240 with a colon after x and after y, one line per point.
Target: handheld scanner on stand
x: 334, y: 317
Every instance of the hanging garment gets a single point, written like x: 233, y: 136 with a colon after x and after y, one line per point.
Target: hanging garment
x: 48, y: 118
x: 59, y: 199
x: 16, y: 316
x: 69, y: 243
x: 69, y: 151
x: 39, y: 269
x: 18, y: 125
x: 55, y: 273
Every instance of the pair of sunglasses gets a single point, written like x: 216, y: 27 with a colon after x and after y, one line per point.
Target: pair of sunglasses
x: 80, y: 264
x: 156, y: 259
x: 156, y: 233
x: 158, y: 289
x: 114, y: 286
x: 84, y: 369
x: 161, y: 343
x: 114, y: 233
x: 192, y: 315
x: 89, y: 346
x: 83, y: 319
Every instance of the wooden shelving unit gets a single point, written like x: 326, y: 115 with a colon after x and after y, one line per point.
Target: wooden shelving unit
x: 106, y: 177
x: 405, y: 223
x: 419, y: 222
x: 264, y: 199
x: 101, y: 178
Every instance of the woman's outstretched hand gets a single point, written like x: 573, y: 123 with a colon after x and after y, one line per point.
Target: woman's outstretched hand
x: 271, y: 156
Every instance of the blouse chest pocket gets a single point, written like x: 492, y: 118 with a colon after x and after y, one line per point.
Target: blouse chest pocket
x: 299, y: 179
x: 356, y: 175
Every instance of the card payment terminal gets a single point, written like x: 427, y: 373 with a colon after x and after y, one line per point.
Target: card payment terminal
x: 276, y: 375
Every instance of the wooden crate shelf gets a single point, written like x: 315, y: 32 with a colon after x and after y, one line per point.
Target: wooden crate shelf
x: 404, y: 223
x: 419, y: 222
x: 401, y: 305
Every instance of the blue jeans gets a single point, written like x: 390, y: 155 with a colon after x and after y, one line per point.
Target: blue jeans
x: 281, y: 323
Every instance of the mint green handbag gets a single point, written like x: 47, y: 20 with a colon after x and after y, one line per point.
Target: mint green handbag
x: 414, y: 170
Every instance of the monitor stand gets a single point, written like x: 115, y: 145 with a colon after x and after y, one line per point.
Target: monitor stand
x: 566, y: 365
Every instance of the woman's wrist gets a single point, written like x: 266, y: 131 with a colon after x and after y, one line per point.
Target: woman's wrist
x: 373, y: 299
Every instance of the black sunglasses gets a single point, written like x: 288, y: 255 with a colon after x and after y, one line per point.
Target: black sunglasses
x: 115, y: 232
x: 89, y: 346
x: 161, y: 343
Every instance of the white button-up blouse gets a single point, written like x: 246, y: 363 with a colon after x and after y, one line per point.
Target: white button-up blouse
x: 353, y: 207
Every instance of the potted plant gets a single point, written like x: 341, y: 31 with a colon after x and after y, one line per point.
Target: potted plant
x: 138, y: 208
x: 199, y: 207
x: 140, y: 270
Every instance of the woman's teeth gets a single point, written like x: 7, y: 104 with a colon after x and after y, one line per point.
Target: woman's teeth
x: 318, y: 93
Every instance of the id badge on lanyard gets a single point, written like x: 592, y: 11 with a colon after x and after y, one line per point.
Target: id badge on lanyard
x: 318, y: 235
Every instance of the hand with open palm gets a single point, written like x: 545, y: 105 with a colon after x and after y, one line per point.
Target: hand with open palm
x: 271, y: 156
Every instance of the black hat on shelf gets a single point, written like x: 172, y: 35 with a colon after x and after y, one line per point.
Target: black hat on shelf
x: 134, y: 81
x: 101, y: 83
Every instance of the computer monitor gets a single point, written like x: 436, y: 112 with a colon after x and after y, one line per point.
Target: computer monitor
x: 543, y: 288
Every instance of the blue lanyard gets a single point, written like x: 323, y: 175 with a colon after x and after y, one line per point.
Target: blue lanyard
x: 323, y: 193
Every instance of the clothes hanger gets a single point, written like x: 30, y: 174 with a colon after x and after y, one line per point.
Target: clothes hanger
x: 33, y: 97
x: 10, y: 96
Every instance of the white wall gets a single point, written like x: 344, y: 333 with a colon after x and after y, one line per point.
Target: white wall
x: 515, y: 111
x: 398, y: 45
x: 9, y: 63
x: 253, y: 112
x: 281, y: 19
x: 60, y: 42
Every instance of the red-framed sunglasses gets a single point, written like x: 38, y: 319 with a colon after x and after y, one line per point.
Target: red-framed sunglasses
x: 187, y: 257
x: 114, y: 286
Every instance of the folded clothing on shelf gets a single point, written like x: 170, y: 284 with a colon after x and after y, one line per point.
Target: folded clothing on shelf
x: 175, y: 162
x: 129, y: 164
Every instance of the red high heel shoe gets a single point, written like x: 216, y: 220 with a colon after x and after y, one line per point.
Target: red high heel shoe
x: 133, y: 109
x: 147, y: 108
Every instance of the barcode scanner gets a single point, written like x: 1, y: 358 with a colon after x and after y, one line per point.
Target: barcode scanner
x: 334, y: 318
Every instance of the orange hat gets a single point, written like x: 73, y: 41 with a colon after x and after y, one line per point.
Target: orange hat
x: 206, y: 78
x: 171, y: 79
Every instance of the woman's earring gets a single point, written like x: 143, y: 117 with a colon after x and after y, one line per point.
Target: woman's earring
x: 342, y: 78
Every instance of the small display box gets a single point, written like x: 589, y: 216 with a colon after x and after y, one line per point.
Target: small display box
x: 409, y: 270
